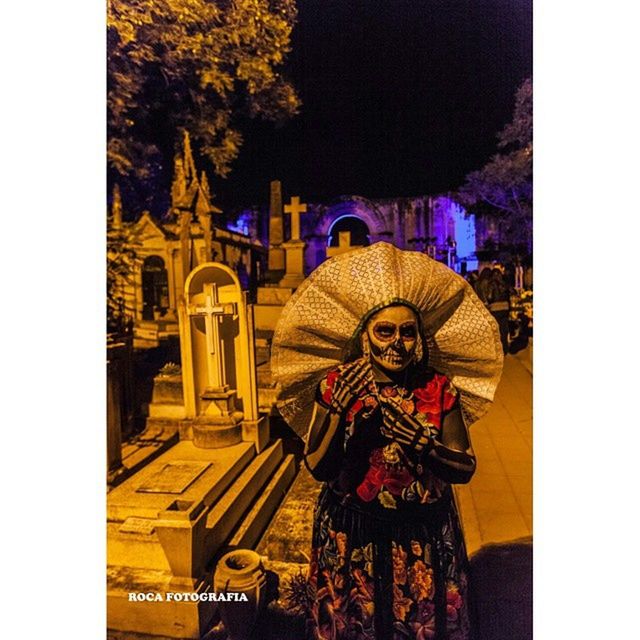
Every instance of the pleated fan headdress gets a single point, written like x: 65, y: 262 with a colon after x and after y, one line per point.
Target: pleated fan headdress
x: 320, y: 321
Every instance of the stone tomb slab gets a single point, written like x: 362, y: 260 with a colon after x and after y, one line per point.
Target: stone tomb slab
x: 174, y: 477
x: 185, y: 474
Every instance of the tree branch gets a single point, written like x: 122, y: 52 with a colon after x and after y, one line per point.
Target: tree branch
x: 516, y: 200
x: 496, y: 205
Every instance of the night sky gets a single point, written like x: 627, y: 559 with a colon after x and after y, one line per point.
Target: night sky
x: 400, y: 98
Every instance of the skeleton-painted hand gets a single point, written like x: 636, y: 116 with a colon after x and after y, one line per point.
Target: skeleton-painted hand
x: 350, y: 384
x: 404, y: 427
x: 449, y: 464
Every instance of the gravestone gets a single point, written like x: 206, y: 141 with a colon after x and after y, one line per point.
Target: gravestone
x: 344, y: 245
x: 217, y: 487
x: 294, y: 209
x: 174, y: 477
x: 166, y: 409
x: 294, y: 259
x: 218, y: 361
x: 276, y: 228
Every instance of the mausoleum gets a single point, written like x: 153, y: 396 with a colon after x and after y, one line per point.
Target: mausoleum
x: 190, y: 234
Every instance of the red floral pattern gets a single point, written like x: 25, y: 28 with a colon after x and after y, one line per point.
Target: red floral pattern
x: 426, y: 404
x: 381, y: 476
x: 435, y: 398
x: 342, y: 579
x: 341, y: 576
x: 345, y: 558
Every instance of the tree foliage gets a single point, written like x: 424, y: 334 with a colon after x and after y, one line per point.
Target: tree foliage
x: 202, y: 65
x: 121, y: 261
x: 503, y: 188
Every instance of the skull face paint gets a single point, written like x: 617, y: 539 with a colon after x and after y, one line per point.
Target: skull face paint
x: 392, y: 334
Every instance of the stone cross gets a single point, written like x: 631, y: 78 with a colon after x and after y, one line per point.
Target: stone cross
x: 212, y: 312
x: 344, y: 244
x: 295, y: 208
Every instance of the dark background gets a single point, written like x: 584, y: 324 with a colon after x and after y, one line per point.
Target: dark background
x: 400, y: 98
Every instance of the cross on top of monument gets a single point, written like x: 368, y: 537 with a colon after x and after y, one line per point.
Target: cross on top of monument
x: 344, y: 244
x: 295, y: 208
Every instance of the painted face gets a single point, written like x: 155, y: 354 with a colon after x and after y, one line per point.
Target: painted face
x: 392, y: 334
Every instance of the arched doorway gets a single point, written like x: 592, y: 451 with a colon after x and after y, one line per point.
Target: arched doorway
x: 359, y: 217
x: 354, y: 225
x: 155, y: 289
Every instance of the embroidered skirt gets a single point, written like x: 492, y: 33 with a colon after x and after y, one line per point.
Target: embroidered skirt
x: 396, y: 578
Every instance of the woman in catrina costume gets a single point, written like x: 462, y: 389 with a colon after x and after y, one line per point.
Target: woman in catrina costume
x: 383, y: 359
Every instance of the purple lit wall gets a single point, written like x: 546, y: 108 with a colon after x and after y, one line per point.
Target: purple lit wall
x: 451, y: 222
x: 465, y: 230
x: 409, y: 223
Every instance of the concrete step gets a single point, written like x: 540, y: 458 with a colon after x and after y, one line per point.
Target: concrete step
x: 247, y: 535
x: 230, y: 508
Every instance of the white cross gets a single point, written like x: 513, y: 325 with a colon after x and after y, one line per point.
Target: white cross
x: 213, y: 312
x: 295, y: 209
x: 344, y: 244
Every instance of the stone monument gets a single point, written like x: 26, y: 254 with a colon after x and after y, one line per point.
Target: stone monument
x: 294, y: 248
x: 216, y: 488
x: 218, y: 361
x: 344, y: 245
x: 276, y: 229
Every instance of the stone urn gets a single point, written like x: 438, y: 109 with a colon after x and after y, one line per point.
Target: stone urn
x: 240, y: 572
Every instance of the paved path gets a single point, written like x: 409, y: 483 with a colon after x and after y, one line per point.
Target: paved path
x: 496, y: 506
x: 496, y: 509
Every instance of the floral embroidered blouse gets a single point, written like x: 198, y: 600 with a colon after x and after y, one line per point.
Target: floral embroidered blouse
x: 378, y: 473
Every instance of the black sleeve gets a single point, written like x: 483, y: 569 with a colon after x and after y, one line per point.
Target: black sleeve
x: 455, y: 467
x: 330, y: 464
x: 329, y: 467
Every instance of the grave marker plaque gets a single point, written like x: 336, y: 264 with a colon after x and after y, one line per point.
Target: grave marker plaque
x: 174, y: 477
